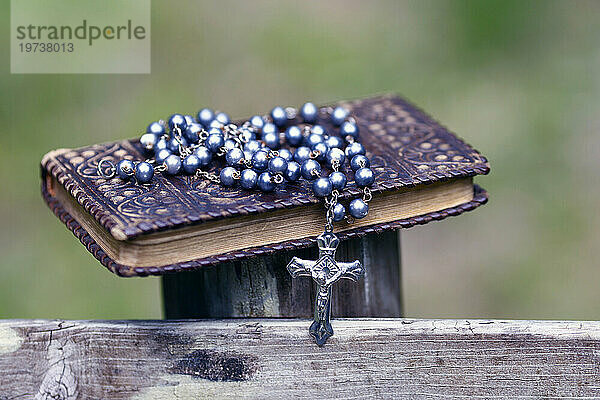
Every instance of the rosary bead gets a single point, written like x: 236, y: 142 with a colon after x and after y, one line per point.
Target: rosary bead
x: 189, y: 120
x: 302, y: 154
x: 286, y: 155
x: 247, y: 135
x: 318, y: 130
x: 144, y: 172
x: 338, y: 180
x: 161, y: 156
x: 148, y: 141
x: 173, y: 144
x: 191, y: 164
x: 260, y: 160
x: 226, y: 176
x: 334, y: 141
x: 336, y: 154
x: 177, y: 121
x: 310, y: 169
x: 353, y: 149
x: 358, y: 208
x: 322, y: 149
x: 279, y: 117
x: 205, y: 116
x: 234, y: 156
x: 214, y: 130
x: 214, y: 124
x: 269, y: 128
x: 204, y: 156
x: 359, y: 161
x: 364, y: 177
x: 292, y: 173
x: 222, y: 118
x: 293, y: 135
x: 322, y: 187
x: 265, y: 182
x: 155, y: 128
x: 162, y: 144
x: 338, y: 115
x: 257, y: 122
x: 277, y: 165
x: 125, y: 169
x: 248, y: 179
x: 309, y: 113
x: 271, y: 139
x: 349, y: 129
x: 230, y: 144
x: 214, y: 142
x: 173, y: 164
x: 191, y: 132
x: 252, y: 146
x: 313, y: 139
x: 339, y: 212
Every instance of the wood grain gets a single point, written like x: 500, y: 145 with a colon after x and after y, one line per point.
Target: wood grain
x: 262, y: 287
x: 276, y: 358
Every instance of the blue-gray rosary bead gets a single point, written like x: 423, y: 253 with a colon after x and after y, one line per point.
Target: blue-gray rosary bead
x: 214, y: 124
x: 162, y: 144
x: 322, y: 149
x: 349, y: 129
x: 192, y: 131
x: 277, y: 165
x: 248, y: 179
x: 271, y: 139
x: 214, y: 142
x: 191, y: 164
x: 278, y: 116
x: 265, y: 182
x: 230, y: 144
x: 269, y: 128
x: 177, y: 121
x: 234, y: 156
x: 310, y: 169
x: 161, y: 156
x: 322, y: 187
x: 148, y: 141
x: 338, y: 180
x: 144, y: 172
x: 338, y: 115
x: 334, y: 141
x: 222, y: 118
x: 302, y: 154
x: 286, y: 155
x: 173, y: 144
x: 292, y: 173
x: 313, y: 139
x: 247, y: 135
x: 227, y: 176
x: 353, y: 149
x: 173, y: 164
x: 257, y: 122
x: 339, y: 212
x: 204, y: 156
x: 260, y: 160
x: 359, y: 161
x: 205, y: 116
x: 189, y: 120
x: 155, y: 128
x: 358, y: 208
x: 125, y: 169
x: 252, y: 146
x: 309, y: 113
x: 318, y: 130
x: 293, y: 136
x: 336, y: 154
x: 364, y: 177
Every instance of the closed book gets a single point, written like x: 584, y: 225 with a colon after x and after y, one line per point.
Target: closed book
x: 423, y: 173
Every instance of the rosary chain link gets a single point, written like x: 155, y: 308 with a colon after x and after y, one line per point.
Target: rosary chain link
x: 211, y: 176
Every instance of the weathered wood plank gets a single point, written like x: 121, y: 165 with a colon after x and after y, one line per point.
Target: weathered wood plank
x: 276, y: 358
x: 262, y: 287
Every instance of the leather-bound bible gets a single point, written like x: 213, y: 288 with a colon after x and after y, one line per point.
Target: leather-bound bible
x: 423, y: 173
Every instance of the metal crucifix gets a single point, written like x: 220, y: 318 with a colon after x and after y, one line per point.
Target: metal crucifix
x: 325, y: 272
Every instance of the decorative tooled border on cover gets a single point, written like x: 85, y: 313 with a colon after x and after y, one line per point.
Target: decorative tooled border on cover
x: 480, y: 197
x: 51, y: 164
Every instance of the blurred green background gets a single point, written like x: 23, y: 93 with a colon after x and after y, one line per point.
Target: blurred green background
x: 517, y: 79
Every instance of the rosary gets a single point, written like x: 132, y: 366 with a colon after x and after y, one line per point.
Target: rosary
x: 255, y: 160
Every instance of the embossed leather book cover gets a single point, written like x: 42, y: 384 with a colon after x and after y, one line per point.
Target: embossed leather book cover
x: 423, y: 173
